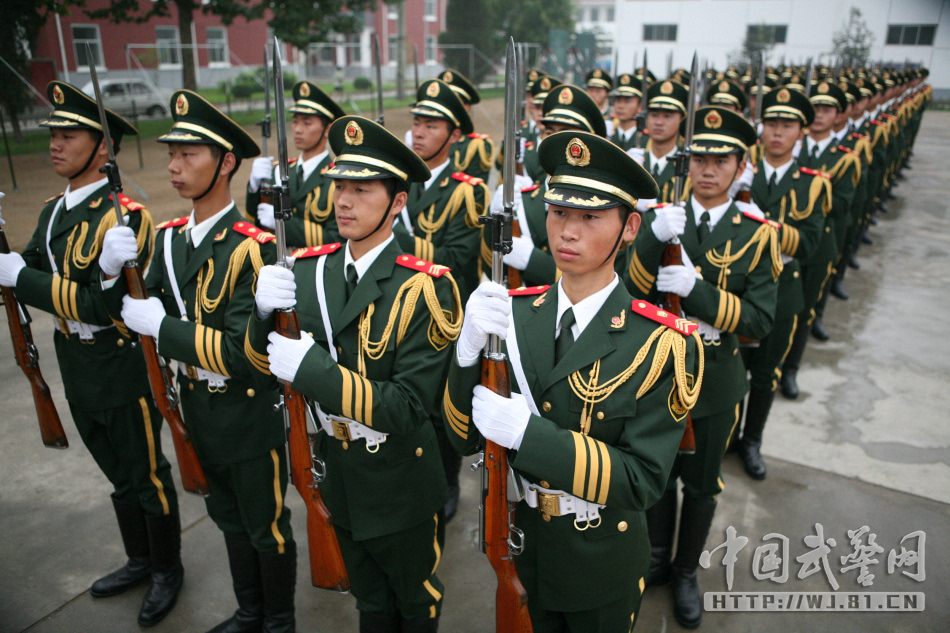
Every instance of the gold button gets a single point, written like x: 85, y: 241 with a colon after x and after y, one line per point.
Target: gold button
x: 251, y: 393
x: 622, y: 526
x: 699, y: 269
x: 545, y: 484
x: 546, y: 406
x: 728, y: 271
x: 419, y: 452
x: 346, y: 445
x: 191, y: 386
x: 600, y: 415
x: 545, y: 517
x: 795, y: 274
x: 735, y: 352
x: 120, y: 342
x: 827, y: 229
x: 339, y: 350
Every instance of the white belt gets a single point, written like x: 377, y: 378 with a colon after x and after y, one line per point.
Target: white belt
x: 85, y: 331
x: 345, y: 429
x: 557, y: 503
x: 216, y: 382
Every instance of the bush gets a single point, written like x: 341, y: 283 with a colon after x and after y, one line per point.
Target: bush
x: 362, y: 83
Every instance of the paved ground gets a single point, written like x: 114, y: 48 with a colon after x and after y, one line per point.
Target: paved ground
x: 867, y: 444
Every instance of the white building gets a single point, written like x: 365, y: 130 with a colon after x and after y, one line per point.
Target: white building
x: 914, y: 30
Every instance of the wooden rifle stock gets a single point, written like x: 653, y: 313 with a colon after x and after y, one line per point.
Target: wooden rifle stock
x: 327, y: 570
x: 160, y: 379
x: 514, y: 275
x: 28, y: 358
x: 673, y: 256
x: 511, y: 599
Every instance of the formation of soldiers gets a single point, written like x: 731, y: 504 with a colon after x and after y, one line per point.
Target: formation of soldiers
x: 388, y: 278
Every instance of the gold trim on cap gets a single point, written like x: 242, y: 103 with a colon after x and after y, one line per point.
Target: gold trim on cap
x: 78, y: 118
x: 460, y: 91
x: 360, y: 159
x: 665, y: 101
x: 313, y: 105
x: 724, y: 97
x: 825, y: 100
x: 783, y: 112
x: 721, y: 138
x: 203, y: 130
x: 438, y: 107
x: 597, y: 186
x: 570, y: 114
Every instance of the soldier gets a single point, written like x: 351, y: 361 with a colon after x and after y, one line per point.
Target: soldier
x: 371, y: 383
x: 799, y: 200
x: 666, y: 110
x: 594, y: 432
x: 727, y: 94
x: 598, y: 85
x: 201, y: 296
x: 311, y: 192
x: 473, y: 152
x: 627, y: 100
x: 104, y: 377
x: 731, y: 292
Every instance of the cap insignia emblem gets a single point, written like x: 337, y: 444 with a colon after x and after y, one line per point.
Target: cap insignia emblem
x: 58, y: 95
x: 578, y: 154
x: 305, y: 89
x: 566, y: 97
x: 353, y: 133
x: 625, y: 80
x: 546, y: 84
x: 667, y: 88
x: 181, y: 105
x: 448, y: 77
x: 784, y: 96
x: 724, y: 86
x: 822, y: 88
x: 713, y: 121
x: 433, y: 89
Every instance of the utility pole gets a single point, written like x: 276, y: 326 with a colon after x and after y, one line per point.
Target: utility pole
x: 401, y: 52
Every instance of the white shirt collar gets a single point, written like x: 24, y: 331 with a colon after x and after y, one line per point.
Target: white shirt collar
x: 436, y: 173
x: 311, y: 164
x: 715, y: 214
x: 658, y: 163
x: 780, y: 171
x: 199, y: 231
x: 584, y: 310
x: 363, y: 263
x: 822, y: 144
x: 626, y: 135
x: 74, y: 198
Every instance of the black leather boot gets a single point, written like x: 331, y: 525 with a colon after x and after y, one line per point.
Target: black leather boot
x: 661, y: 524
x: 164, y: 540
x: 134, y: 531
x: 788, y: 383
x: 757, y: 413
x: 246, y: 579
x: 420, y: 625
x: 279, y: 581
x: 695, y: 519
x: 379, y: 622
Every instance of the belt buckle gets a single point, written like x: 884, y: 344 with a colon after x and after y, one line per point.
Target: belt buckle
x: 548, y: 505
x: 341, y: 430
x: 191, y: 372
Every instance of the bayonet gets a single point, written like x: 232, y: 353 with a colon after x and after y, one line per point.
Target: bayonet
x: 808, y: 74
x: 280, y: 191
x: 682, y: 157
x: 265, y: 122
x: 644, y: 86
x: 110, y: 169
x: 760, y: 87
x: 380, y: 117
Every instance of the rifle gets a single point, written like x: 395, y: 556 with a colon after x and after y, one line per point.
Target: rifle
x: 265, y: 122
x: 28, y: 358
x: 380, y: 117
x: 160, y: 377
x: 808, y: 74
x: 327, y: 570
x: 644, y: 85
x: 673, y: 254
x: 500, y: 539
x: 745, y: 195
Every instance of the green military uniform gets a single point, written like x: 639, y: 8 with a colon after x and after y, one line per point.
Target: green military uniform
x: 311, y: 198
x: 728, y: 94
x: 472, y: 154
x: 597, y: 78
x: 628, y: 86
x: 373, y: 364
x: 669, y: 96
x: 612, y: 450
x: 104, y: 376
x: 738, y: 265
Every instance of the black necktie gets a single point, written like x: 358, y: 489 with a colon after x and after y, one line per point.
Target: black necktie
x: 352, y: 278
x: 189, y: 245
x: 299, y: 172
x: 814, y: 151
x: 656, y: 170
x: 772, y: 181
x: 702, y: 231
x: 566, y: 336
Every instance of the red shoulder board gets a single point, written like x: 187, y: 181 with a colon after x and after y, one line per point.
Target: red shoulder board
x: 813, y: 172
x: 888, y: 116
x: 248, y: 229
x: 863, y: 137
x: 422, y: 265
x: 292, y: 161
x: 463, y: 177
x: 847, y: 149
x: 650, y: 311
x: 876, y: 122
x: 530, y: 189
x: 172, y: 223
x: 772, y: 223
x: 524, y: 292
x: 529, y: 145
x: 129, y: 203
x: 316, y: 251
x: 476, y: 135
x: 661, y: 205
x: 50, y: 199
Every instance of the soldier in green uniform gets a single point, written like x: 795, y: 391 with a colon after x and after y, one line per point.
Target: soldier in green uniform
x: 382, y: 322
x: 311, y: 192
x: 104, y: 377
x: 731, y: 292
x: 565, y: 108
x: 727, y: 94
x: 600, y: 391
x: 201, y: 296
x: 666, y: 110
x: 472, y: 154
x: 598, y: 85
x: 627, y: 103
x: 799, y: 200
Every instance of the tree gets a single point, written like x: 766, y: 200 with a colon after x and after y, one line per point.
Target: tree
x: 853, y: 41
x: 532, y: 20
x: 759, y: 40
x: 297, y: 22
x: 468, y: 22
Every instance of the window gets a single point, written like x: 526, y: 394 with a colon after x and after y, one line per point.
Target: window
x: 430, y: 48
x: 140, y: 90
x: 84, y: 34
x: 767, y: 33
x: 114, y: 90
x: 356, y: 51
x: 595, y: 14
x: 911, y: 34
x: 580, y: 15
x: 659, y: 32
x: 393, y: 48
x: 430, y: 8
x: 218, y: 53
x: 610, y: 14
x: 169, y: 51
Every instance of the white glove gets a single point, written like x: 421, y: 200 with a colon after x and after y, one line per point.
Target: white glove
x: 500, y: 420
x: 10, y: 266
x: 276, y: 290
x: 265, y: 215
x: 751, y: 208
x: 486, y: 312
x: 638, y: 154
x: 645, y: 204
x: 743, y: 182
x: 676, y: 279
x: 523, y: 182
x: 1, y: 198
x: 261, y: 169
x: 521, y: 249
x: 286, y: 354
x: 118, y: 246
x: 670, y: 221
x: 708, y: 332
x: 497, y: 204
x: 143, y: 316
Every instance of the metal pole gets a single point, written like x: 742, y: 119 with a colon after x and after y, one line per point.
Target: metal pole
x: 6, y: 145
x: 138, y: 139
